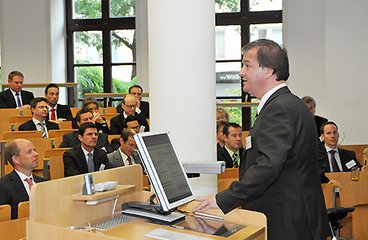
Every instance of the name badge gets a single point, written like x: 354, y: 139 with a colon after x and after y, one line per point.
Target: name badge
x: 248, y: 142
x: 350, y: 164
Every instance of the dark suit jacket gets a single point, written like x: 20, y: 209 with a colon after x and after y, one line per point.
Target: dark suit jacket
x: 144, y: 107
x: 319, y: 121
x: 75, y: 162
x: 345, y: 157
x: 223, y: 155
x: 29, y: 125
x: 71, y: 139
x: 63, y: 111
x: 117, y: 123
x: 7, y: 99
x: 280, y: 175
x: 12, y: 191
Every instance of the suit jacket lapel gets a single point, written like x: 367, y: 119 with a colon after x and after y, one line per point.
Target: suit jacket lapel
x: 18, y: 185
x: 83, y: 161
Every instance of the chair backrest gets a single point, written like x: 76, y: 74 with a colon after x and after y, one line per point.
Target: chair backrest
x: 60, y: 132
x: 20, y: 119
x: 55, y: 152
x: 56, y: 167
x: 22, y: 134
x: 108, y: 117
x: 4, y: 127
x: 7, y: 113
x: 74, y: 110
x: 23, y: 209
x: 5, y: 212
x: 65, y: 125
x: 226, y: 178
x: 112, y: 136
x: 106, y: 110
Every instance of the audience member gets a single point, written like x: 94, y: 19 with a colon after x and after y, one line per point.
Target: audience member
x: 92, y: 105
x: 85, y: 157
x: 142, y: 106
x: 336, y: 159
x: 126, y: 154
x: 232, y: 151
x: 15, y: 97
x: 39, y: 120
x: 15, y: 187
x: 220, y: 135
x: 129, y: 105
x: 311, y: 105
x: 222, y: 114
x: 71, y: 139
x: 57, y: 112
x: 131, y: 124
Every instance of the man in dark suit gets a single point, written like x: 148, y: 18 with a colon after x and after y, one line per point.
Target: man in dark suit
x: 39, y: 121
x: 336, y: 159
x: 233, y: 149
x: 311, y: 105
x: 279, y: 176
x: 15, y: 97
x: 126, y: 154
x: 56, y: 111
x: 15, y: 187
x: 129, y: 105
x: 85, y: 157
x: 142, y: 106
x: 71, y: 139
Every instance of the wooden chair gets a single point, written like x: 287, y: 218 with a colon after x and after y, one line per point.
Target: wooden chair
x: 112, y: 136
x: 56, y: 167
x: 22, y: 134
x: 74, y: 110
x: 19, y: 119
x: 49, y: 156
x: 226, y: 178
x: 365, y: 156
x: 107, y: 110
x: 65, y: 125
x: 60, y: 132
x: 5, y: 212
x: 245, y: 134
x: 358, y: 149
x: 7, y: 113
x: 23, y: 209
x: 4, y: 127
x: 108, y: 117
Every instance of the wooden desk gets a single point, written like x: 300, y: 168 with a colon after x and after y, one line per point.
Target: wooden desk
x: 54, y: 207
x: 352, y: 194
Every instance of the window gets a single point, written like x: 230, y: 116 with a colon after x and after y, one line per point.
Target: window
x: 237, y: 23
x: 101, y: 45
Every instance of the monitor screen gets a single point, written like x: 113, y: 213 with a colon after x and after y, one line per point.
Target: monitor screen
x: 164, y: 169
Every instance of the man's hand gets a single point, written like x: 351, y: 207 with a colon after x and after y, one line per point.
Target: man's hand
x: 207, y: 202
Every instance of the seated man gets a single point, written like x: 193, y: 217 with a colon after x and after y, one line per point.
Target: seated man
x: 92, y: 105
x: 131, y: 124
x: 126, y: 154
x: 142, y: 106
x: 85, y: 157
x: 71, y: 139
x: 129, y: 105
x: 15, y: 187
x: 39, y: 121
x: 336, y: 159
x: 311, y: 105
x: 56, y: 111
x: 233, y: 150
x: 15, y: 97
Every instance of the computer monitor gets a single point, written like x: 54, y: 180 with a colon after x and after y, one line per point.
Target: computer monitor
x: 166, y: 173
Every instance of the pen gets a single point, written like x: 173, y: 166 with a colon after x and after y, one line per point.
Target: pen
x: 176, y: 226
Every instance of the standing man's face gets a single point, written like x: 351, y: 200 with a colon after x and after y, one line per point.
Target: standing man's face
x: 16, y: 83
x: 52, y: 96
x: 251, y: 73
x: 136, y: 92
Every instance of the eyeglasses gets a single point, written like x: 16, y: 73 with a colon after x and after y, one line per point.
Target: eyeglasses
x: 130, y: 106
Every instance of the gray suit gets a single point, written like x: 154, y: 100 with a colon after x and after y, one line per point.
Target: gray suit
x: 117, y: 161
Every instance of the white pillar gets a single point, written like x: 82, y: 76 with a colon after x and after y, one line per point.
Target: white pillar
x: 181, y: 53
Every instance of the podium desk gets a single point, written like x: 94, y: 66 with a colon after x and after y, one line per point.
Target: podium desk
x: 352, y: 194
x: 58, y: 204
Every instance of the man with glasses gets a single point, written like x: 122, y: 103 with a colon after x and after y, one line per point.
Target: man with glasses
x: 39, y: 120
x: 142, y: 106
x: 129, y: 105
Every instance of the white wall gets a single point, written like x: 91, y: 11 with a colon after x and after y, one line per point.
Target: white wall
x: 327, y: 53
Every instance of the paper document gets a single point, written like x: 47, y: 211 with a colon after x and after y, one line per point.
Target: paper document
x: 164, y: 234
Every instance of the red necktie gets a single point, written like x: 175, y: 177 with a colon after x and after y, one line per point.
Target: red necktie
x: 29, y: 181
x: 53, y: 117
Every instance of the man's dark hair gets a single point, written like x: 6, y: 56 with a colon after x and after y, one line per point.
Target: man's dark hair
x: 36, y: 100
x: 271, y: 55
x: 135, y: 86
x: 11, y: 150
x: 51, y: 85
x: 328, y: 123
x: 129, y: 119
x: 80, y: 112
x: 83, y: 127
x: 125, y: 134
x: 228, y: 125
x: 15, y: 73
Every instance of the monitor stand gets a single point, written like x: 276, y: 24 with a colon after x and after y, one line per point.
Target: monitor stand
x: 151, y: 211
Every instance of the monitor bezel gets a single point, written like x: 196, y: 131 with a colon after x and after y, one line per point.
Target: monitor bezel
x: 152, y: 172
